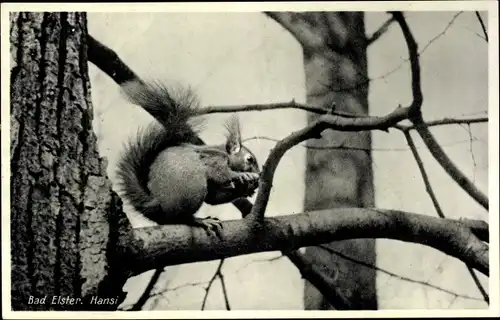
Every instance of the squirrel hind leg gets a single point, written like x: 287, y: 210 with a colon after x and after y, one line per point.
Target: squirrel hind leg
x: 177, y: 180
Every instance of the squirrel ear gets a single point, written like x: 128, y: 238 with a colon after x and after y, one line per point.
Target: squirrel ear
x: 233, y: 143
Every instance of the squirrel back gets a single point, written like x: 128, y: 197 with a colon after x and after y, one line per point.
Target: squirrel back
x: 167, y: 172
x: 174, y: 114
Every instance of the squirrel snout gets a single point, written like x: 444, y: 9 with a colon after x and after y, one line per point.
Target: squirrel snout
x: 256, y: 169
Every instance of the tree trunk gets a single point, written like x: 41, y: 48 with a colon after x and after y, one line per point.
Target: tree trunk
x: 60, y: 196
x: 340, y: 177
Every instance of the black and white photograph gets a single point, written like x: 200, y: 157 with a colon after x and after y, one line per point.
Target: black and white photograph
x: 245, y: 158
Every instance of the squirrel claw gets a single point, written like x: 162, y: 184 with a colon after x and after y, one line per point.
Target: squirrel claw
x: 213, y: 226
x: 247, y: 177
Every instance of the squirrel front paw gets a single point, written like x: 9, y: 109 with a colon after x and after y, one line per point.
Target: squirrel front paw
x: 247, y: 178
x: 248, y: 183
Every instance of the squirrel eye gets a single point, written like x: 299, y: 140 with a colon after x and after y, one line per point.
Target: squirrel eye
x: 250, y: 159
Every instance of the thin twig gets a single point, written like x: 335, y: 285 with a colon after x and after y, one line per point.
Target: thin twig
x: 423, y: 173
x: 147, y: 292
x: 210, y: 283
x: 386, y: 74
x: 353, y: 148
x: 482, y: 26
x: 325, y: 284
x: 473, y: 158
x: 273, y: 106
x: 437, y: 36
x: 474, y: 32
x: 392, y: 274
x: 380, y: 31
x: 336, y: 147
x: 393, y: 70
x: 224, y: 291
x: 483, y: 292
x: 448, y: 121
x: 255, y: 261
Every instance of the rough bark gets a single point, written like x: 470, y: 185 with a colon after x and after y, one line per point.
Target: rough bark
x: 334, y: 47
x: 60, y: 195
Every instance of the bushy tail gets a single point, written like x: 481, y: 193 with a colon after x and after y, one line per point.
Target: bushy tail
x: 173, y: 109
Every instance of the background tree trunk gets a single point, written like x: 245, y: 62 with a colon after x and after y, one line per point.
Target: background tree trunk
x: 337, y: 73
x: 60, y: 195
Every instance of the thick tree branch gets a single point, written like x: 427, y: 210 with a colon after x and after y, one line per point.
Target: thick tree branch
x: 312, y: 274
x: 323, y: 283
x: 416, y: 86
x: 437, y: 151
x: 108, y: 61
x: 153, y: 247
x: 314, y: 130
x: 415, y: 116
x: 478, y: 227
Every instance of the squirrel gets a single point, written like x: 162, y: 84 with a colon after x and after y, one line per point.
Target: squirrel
x: 167, y: 173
